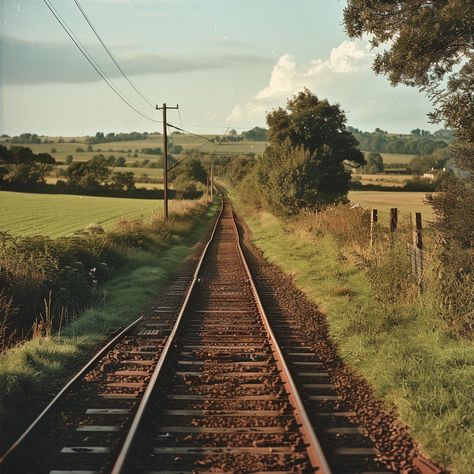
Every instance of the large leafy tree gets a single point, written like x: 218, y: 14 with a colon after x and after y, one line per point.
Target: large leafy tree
x: 310, y: 133
x: 429, y: 44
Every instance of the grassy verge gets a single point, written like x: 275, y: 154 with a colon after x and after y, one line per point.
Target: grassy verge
x: 32, y: 372
x: 402, y: 350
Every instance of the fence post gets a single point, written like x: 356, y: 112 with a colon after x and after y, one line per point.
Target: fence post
x: 417, y: 257
x: 374, y: 217
x: 393, y: 219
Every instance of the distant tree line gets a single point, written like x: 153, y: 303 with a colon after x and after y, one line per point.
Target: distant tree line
x: 19, y: 166
x: 100, y: 137
x: 420, y: 142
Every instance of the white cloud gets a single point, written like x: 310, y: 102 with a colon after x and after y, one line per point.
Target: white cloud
x: 288, y: 77
x: 344, y: 77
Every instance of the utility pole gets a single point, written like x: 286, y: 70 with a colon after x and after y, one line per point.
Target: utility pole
x: 164, y: 108
x: 212, y: 181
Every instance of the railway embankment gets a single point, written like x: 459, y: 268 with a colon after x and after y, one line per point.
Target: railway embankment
x: 32, y: 372
x: 407, y: 365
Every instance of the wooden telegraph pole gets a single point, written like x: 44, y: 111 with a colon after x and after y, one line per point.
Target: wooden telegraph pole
x: 212, y: 181
x: 164, y: 108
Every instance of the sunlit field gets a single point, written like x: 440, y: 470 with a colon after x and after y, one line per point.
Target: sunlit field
x: 406, y: 202
x: 58, y: 215
x: 392, y: 158
x: 383, y: 179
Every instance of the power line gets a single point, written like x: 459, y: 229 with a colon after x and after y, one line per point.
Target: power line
x: 192, y: 152
x: 111, y: 55
x: 91, y: 60
x: 179, y: 116
x: 189, y: 133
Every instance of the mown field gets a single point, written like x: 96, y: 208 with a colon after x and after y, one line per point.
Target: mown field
x: 406, y: 202
x: 60, y: 215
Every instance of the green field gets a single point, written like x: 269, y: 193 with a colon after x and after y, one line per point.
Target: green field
x: 58, y: 215
x: 406, y: 202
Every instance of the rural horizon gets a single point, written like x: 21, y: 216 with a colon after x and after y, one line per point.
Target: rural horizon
x: 236, y: 237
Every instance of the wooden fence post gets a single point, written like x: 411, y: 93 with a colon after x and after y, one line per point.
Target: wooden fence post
x: 417, y: 255
x: 393, y: 219
x: 374, y: 217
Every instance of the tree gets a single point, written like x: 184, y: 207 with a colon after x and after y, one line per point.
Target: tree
x: 123, y: 181
x: 91, y: 174
x: 176, y: 149
x: 318, y: 128
x: 120, y: 162
x: 45, y: 163
x: 374, y: 163
x: 68, y: 160
x: 430, y: 46
x: 255, y: 134
x: 192, y: 169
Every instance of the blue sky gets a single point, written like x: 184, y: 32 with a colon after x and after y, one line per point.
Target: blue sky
x: 225, y: 63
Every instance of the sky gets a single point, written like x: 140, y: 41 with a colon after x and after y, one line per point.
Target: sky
x: 226, y: 63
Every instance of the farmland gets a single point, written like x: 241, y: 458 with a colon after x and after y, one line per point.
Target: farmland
x: 383, y: 200
x: 396, y: 158
x: 60, y: 215
x: 385, y: 179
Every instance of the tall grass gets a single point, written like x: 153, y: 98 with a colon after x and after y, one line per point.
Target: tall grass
x: 399, y: 339
x: 31, y: 372
x: 48, y: 282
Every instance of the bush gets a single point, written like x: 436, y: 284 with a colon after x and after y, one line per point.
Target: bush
x: 294, y: 179
x: 184, y: 185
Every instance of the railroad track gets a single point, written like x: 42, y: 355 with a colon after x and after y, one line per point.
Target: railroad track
x: 204, y: 383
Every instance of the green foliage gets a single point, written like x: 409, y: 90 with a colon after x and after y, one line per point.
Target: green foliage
x: 294, y: 179
x: 191, y: 169
x: 28, y: 369
x: 116, y: 137
x: 430, y: 47
x: 120, y: 161
x: 257, y: 134
x: 305, y: 164
x: 20, y: 167
x: 176, y: 149
x: 423, y: 164
x: 90, y: 174
x: 314, y: 124
x: 415, y: 144
x: 374, y: 164
x: 183, y: 185
x: 240, y: 167
x: 398, y: 343
x: 151, y: 151
x: 26, y: 139
x: 122, y: 181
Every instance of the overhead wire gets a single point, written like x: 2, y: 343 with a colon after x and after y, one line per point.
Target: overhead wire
x: 119, y: 67
x: 192, y: 152
x: 188, y: 132
x: 91, y: 60
x: 179, y: 116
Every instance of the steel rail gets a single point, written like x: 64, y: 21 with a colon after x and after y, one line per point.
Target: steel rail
x: 314, y: 450
x: 121, y: 459
x: 66, y: 387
